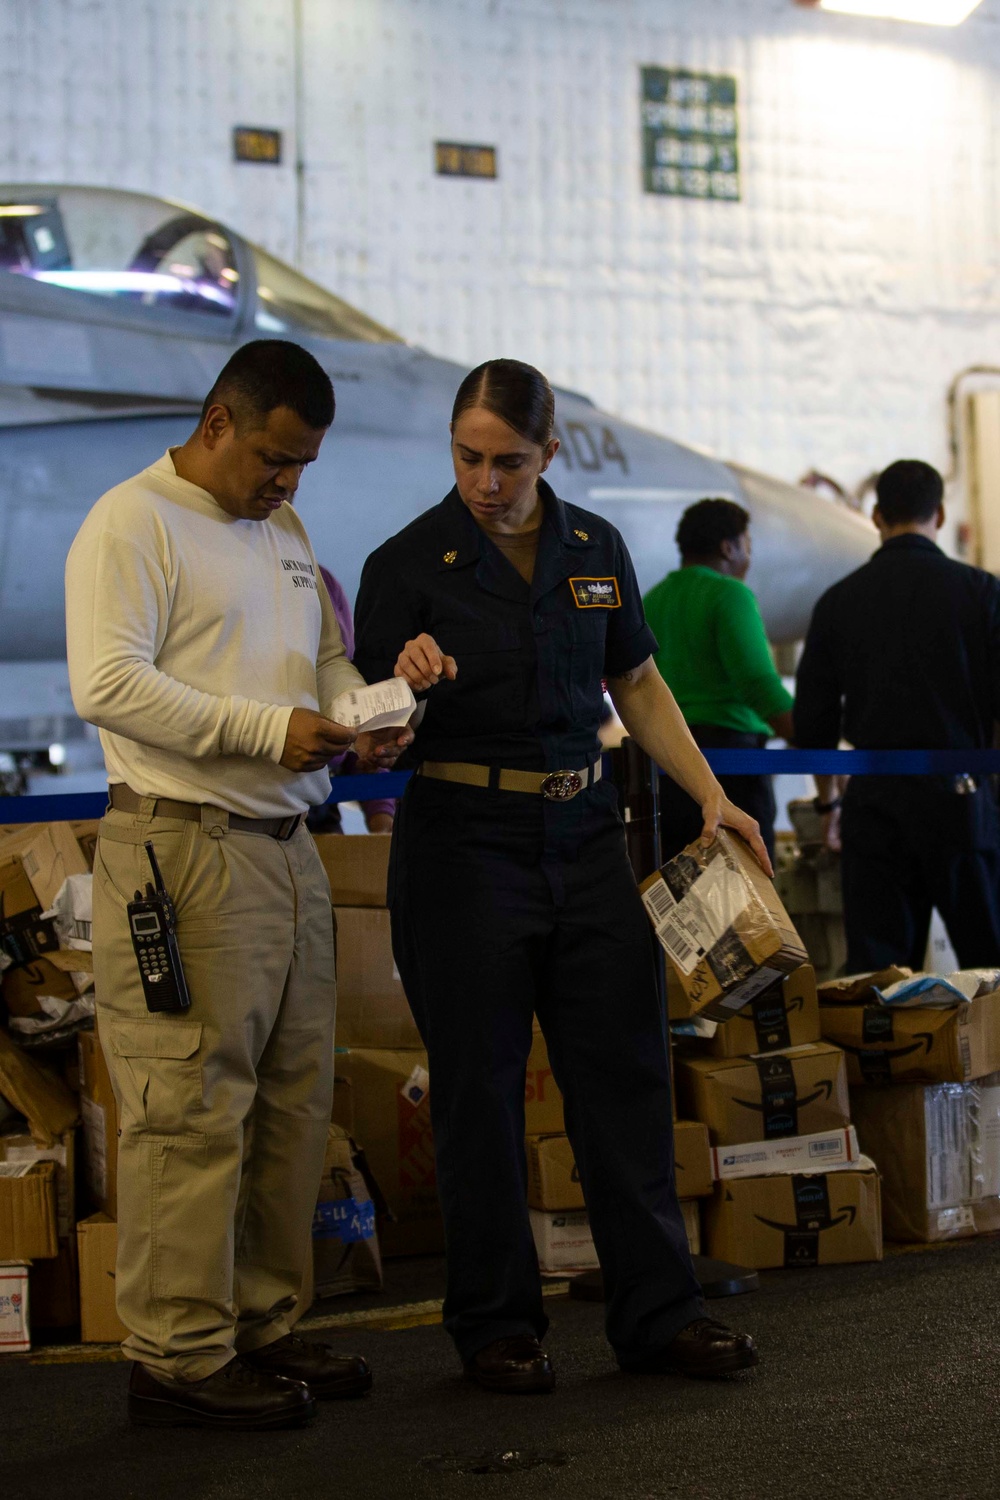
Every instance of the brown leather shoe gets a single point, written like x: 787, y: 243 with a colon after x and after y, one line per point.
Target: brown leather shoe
x: 328, y: 1375
x: 704, y: 1349
x: 517, y: 1366
x: 235, y: 1397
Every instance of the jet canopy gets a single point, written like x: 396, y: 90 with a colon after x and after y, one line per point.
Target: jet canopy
x: 149, y: 257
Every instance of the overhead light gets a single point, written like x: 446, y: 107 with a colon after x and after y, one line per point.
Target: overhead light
x: 929, y: 12
x: 19, y: 210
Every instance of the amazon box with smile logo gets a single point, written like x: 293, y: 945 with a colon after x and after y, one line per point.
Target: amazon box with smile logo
x: 799, y: 1091
x: 786, y: 1015
x: 823, y: 1219
x: 904, y: 1044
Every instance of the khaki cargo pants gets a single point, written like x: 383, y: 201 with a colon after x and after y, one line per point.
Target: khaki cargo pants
x: 224, y: 1108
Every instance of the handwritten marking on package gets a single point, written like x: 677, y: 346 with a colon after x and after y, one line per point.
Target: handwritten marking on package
x: 382, y: 705
x: 689, y: 928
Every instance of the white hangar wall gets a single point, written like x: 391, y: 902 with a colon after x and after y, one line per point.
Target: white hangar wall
x: 815, y: 323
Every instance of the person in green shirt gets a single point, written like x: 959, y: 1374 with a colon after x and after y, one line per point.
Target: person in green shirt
x: 715, y: 659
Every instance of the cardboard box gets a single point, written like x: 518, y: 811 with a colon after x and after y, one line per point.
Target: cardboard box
x: 543, y: 1105
x: 553, y: 1178
x: 395, y: 1134
x: 564, y: 1243
x: 37, y: 1092
x: 937, y: 1147
x: 100, y: 1124
x: 48, y: 1000
x: 786, y: 1015
x: 29, y: 1220
x: 23, y: 1150
x: 97, y: 1248
x: 52, y: 975
x: 23, y: 933
x: 801, y: 1091
x: 55, y: 1282
x: 15, y: 1334
x: 859, y: 989
x: 85, y: 831
x: 692, y: 1159
x: 372, y: 1009
x: 720, y: 921
x: 794, y: 1221
x: 907, y: 1044
x: 356, y: 865
x: 48, y: 853
x: 345, y: 1251
x: 691, y: 1210
x: 828, y: 1151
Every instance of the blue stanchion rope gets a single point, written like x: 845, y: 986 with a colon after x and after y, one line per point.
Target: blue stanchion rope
x: 67, y: 806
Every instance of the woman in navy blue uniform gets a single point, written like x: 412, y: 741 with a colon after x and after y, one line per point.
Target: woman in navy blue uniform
x: 511, y: 893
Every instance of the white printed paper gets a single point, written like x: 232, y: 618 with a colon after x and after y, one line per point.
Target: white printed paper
x: 73, y: 912
x: 382, y: 705
x: 56, y: 1013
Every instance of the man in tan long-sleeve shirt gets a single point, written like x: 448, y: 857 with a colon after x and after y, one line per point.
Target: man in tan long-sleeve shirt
x: 199, y: 643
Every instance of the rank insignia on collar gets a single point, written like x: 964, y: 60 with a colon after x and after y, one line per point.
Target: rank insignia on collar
x: 583, y: 535
x: 596, y: 593
x: 449, y: 557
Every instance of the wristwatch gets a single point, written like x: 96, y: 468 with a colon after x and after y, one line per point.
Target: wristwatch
x: 826, y: 807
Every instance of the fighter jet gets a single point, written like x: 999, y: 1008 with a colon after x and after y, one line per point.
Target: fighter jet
x: 118, y: 309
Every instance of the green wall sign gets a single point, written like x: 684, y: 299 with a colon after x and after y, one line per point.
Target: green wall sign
x: 690, y: 134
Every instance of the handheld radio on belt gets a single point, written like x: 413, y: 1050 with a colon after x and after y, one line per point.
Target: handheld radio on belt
x: 154, y: 938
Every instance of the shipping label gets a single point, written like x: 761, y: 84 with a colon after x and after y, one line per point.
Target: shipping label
x: 690, y: 928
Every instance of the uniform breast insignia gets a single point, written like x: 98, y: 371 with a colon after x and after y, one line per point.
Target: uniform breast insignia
x: 583, y: 535
x: 449, y: 557
x: 596, y: 593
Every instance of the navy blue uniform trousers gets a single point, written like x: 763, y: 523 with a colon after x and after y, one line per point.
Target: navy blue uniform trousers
x: 504, y: 906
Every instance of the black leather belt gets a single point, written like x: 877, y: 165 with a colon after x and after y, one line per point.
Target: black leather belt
x: 123, y: 799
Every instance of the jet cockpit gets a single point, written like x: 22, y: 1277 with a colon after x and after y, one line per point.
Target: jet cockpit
x: 155, y: 261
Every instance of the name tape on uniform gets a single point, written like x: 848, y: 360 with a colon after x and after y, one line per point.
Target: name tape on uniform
x: 596, y: 593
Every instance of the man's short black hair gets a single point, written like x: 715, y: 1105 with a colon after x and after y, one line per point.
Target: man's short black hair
x: 704, y: 527
x: 909, y: 490
x: 269, y: 373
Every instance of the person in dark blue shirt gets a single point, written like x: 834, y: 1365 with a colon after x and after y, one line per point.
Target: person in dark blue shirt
x: 511, y: 892
x: 904, y: 654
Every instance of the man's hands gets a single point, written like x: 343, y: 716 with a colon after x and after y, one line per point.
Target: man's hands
x: 311, y: 741
x: 423, y: 663
x: 382, y: 748
x: 720, y: 812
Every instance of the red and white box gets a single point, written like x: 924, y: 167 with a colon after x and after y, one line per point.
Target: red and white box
x: 15, y: 1335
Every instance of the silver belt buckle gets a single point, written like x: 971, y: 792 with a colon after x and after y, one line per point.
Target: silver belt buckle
x: 561, y: 786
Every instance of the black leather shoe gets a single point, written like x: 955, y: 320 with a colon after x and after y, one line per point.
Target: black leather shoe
x: 704, y: 1349
x: 517, y: 1366
x: 235, y: 1397
x: 327, y: 1374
